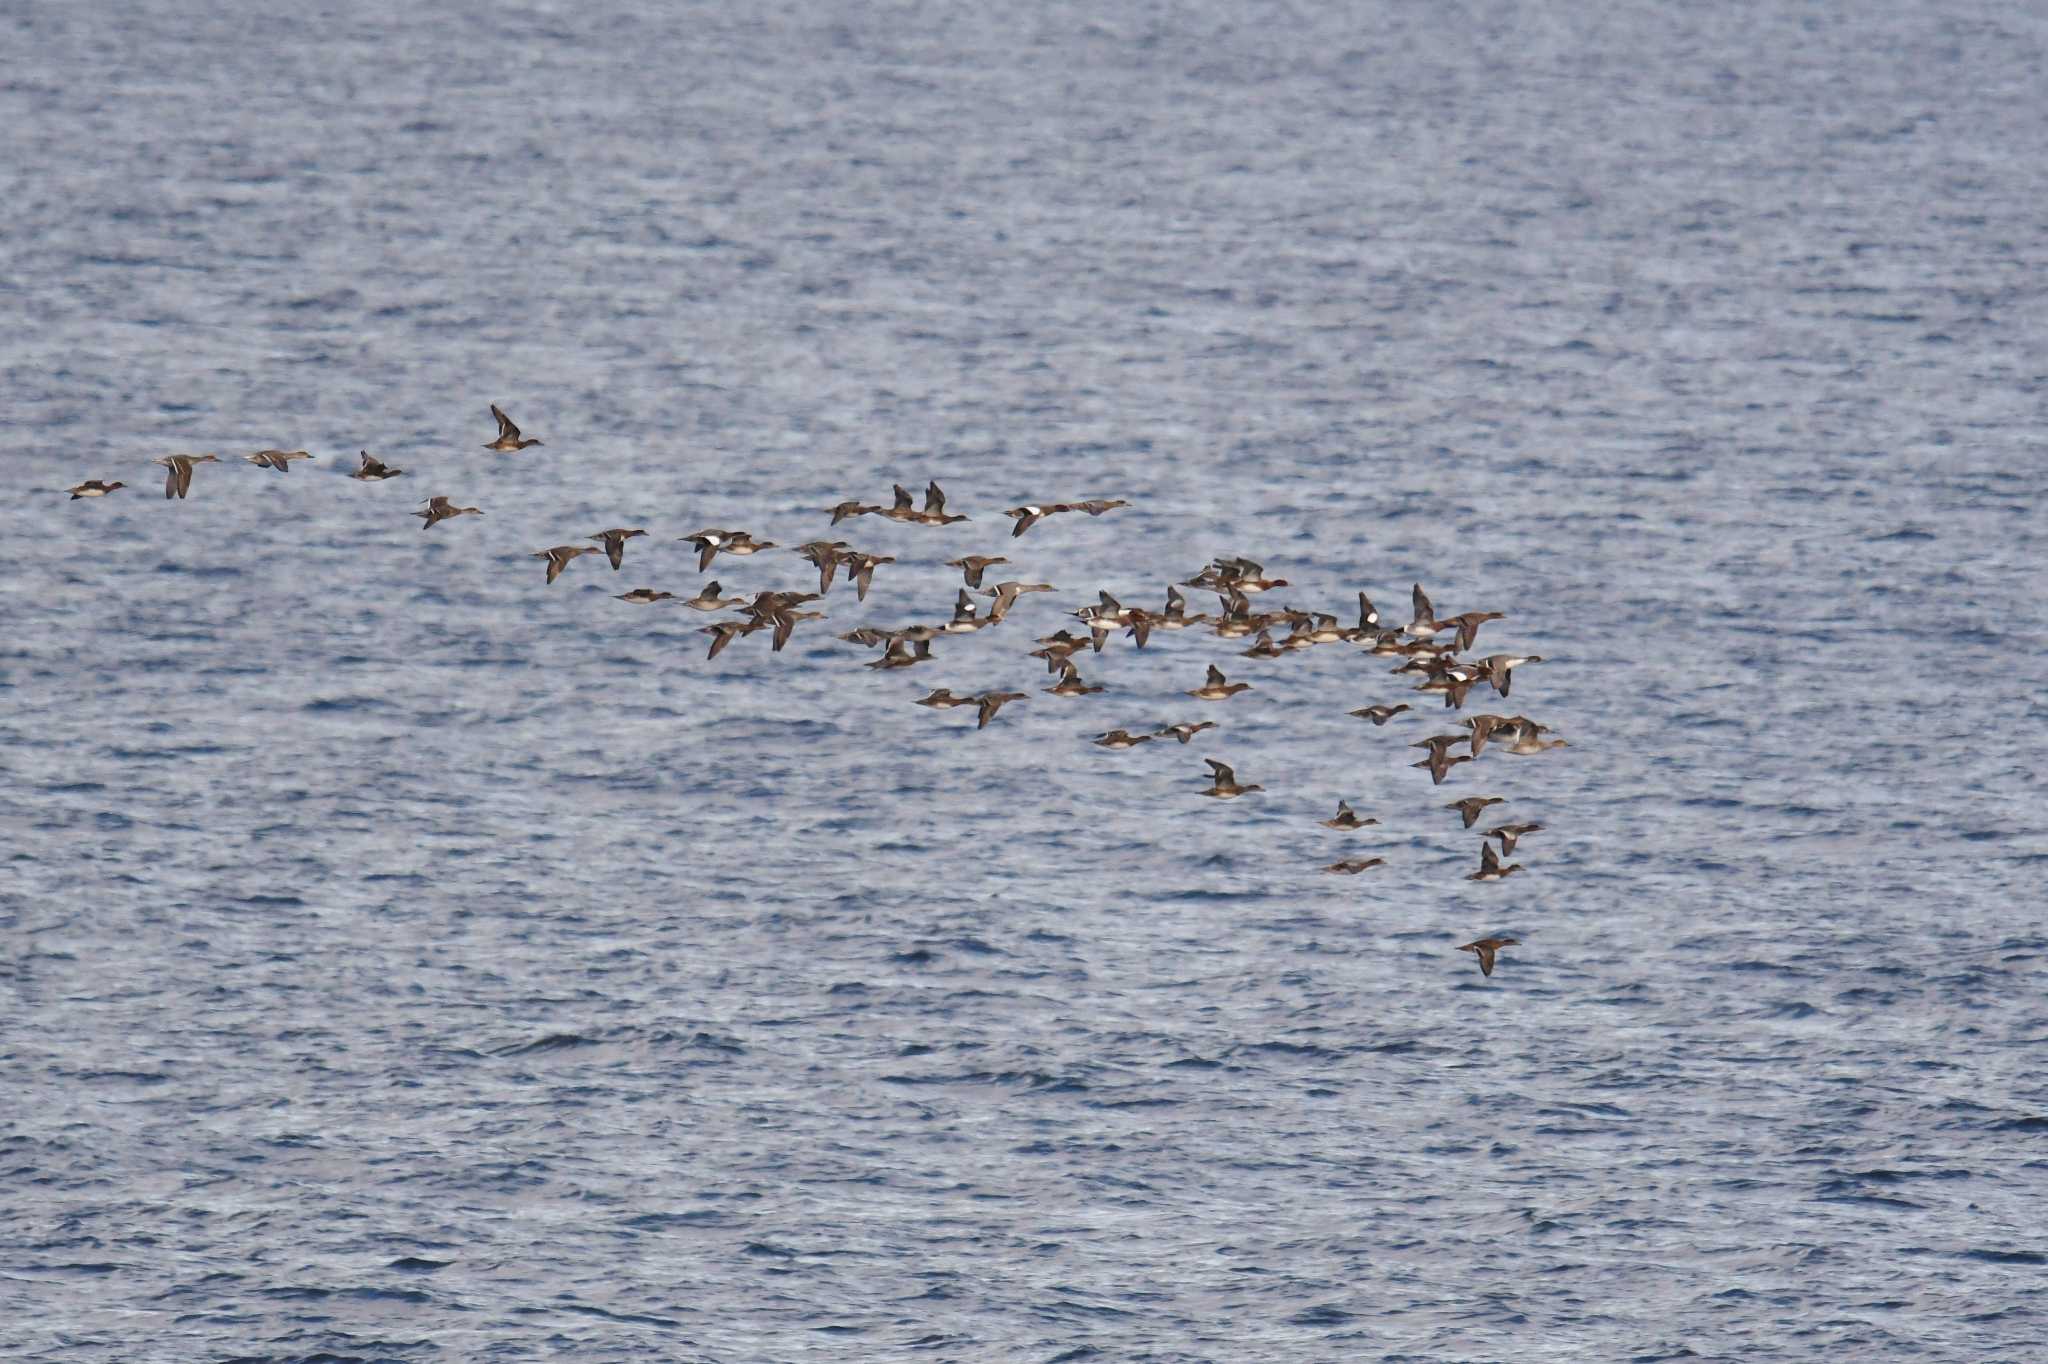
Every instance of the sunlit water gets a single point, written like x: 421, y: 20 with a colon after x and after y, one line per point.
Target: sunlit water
x: 407, y: 960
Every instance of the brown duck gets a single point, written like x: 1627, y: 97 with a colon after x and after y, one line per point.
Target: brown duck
x: 615, y: 544
x: 178, y: 481
x: 972, y: 566
x: 1472, y: 805
x: 560, y: 556
x: 1509, y: 833
x: 280, y: 460
x: 1346, y: 818
x: 988, y: 703
x: 508, y: 434
x: 1490, y: 868
x: 1484, y: 950
x: 440, y: 509
x: 1218, y: 688
x: 1223, y: 783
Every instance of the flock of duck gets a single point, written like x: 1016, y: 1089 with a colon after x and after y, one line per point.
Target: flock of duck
x: 1429, y: 646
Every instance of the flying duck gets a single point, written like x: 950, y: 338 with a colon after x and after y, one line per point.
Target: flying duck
x: 1509, y: 833
x: 178, y: 481
x: 280, y: 460
x: 1346, y: 818
x: 902, y: 653
x: 1071, y: 684
x: 440, y: 509
x: 615, y: 544
x: 644, y: 596
x: 1185, y: 730
x: 1379, y: 715
x: 558, y: 558
x: 988, y: 703
x: 374, y: 470
x: 1472, y: 805
x: 825, y: 556
x: 1352, y: 868
x: 508, y: 434
x: 972, y: 566
x: 1484, y: 950
x: 1223, y: 784
x: 1439, y: 764
x: 1490, y: 868
x: 1006, y: 595
x: 860, y: 568
x: 1117, y: 738
x: 934, y: 513
x: 92, y: 487
x: 725, y: 632
x: 1217, y: 688
x: 1500, y: 669
x: 709, y: 600
x: 711, y: 543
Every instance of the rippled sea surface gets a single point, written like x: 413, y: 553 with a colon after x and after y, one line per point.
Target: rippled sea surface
x: 405, y: 959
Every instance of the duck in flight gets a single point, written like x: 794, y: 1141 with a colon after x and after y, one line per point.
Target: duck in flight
x: 1379, y: 715
x: 709, y: 600
x: 615, y: 544
x: 1346, y: 818
x: 1217, y: 688
x: 440, y: 509
x: 560, y: 556
x: 508, y: 434
x: 1355, y: 866
x: 1006, y: 595
x: 824, y: 555
x: 280, y: 460
x: 725, y: 632
x: 1185, y: 730
x: 860, y: 569
x: 1118, y: 739
x: 92, y: 487
x: 178, y: 481
x: 1509, y: 833
x: 854, y: 507
x: 644, y: 596
x: 374, y: 470
x: 972, y: 566
x: 711, y: 543
x: 1484, y: 950
x: 1030, y: 515
x: 1490, y: 868
x: 1072, y: 684
x: 1472, y: 805
x: 989, y: 702
x: 902, y: 653
x: 1224, y: 784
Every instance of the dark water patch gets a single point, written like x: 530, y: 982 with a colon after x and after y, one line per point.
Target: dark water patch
x: 344, y: 704
x: 663, y: 1221
x: 551, y: 1042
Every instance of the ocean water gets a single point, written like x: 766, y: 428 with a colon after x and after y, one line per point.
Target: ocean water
x: 409, y: 960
